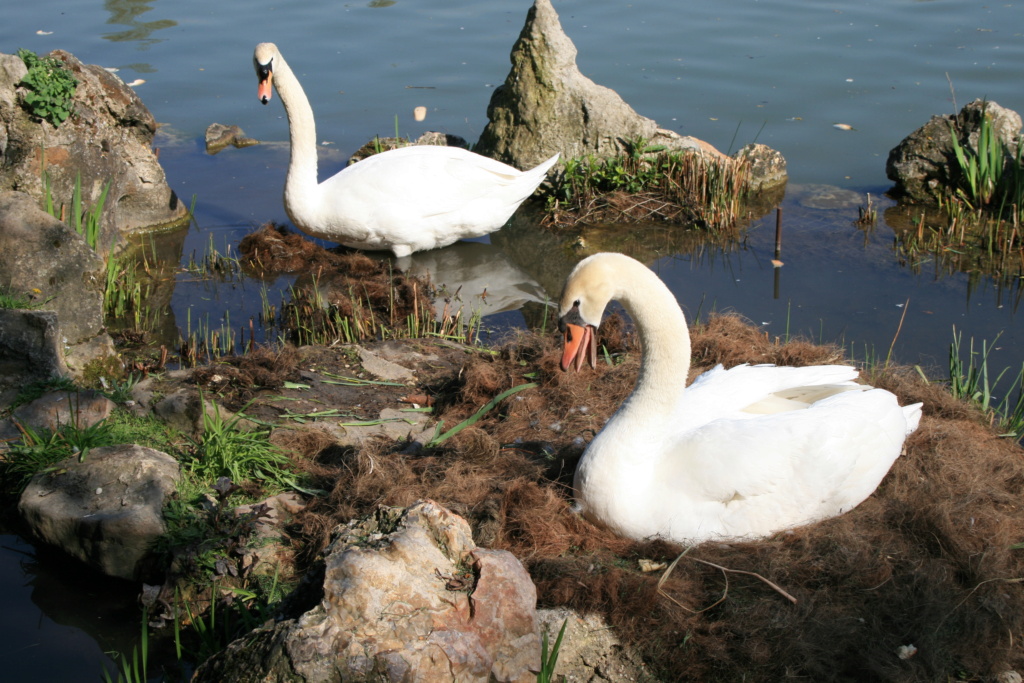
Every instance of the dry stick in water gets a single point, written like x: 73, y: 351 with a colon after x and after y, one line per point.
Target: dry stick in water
x: 899, y: 327
x: 725, y: 572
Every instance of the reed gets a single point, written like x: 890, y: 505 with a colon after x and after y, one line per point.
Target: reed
x: 648, y: 183
x: 969, y: 380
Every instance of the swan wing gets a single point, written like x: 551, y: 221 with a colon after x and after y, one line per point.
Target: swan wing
x: 767, y: 472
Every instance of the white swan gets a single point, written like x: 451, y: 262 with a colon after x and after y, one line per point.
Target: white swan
x: 741, y: 453
x: 405, y: 200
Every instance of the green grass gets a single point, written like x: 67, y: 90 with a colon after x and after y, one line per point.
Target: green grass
x: 10, y: 299
x: 42, y: 450
x: 225, y: 450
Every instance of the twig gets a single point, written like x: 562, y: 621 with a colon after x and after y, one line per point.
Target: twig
x: 725, y: 573
x: 971, y: 592
x: 896, y: 336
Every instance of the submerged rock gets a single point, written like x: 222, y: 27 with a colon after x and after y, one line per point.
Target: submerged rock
x: 219, y: 136
x: 924, y: 163
x: 406, y: 596
x: 106, y: 511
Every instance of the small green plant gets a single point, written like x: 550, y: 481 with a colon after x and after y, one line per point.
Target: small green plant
x: 40, y: 451
x: 225, y: 450
x: 981, y: 171
x: 50, y: 85
x: 548, y: 660
x: 86, y: 222
x: 10, y: 299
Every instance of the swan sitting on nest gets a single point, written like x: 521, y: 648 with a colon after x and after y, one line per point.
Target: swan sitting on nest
x: 740, y: 453
x: 406, y: 200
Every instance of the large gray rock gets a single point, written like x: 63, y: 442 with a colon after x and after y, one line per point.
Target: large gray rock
x: 47, y: 260
x: 407, y: 596
x: 81, y: 409
x: 109, y: 136
x: 924, y: 163
x: 30, y: 347
x: 546, y: 105
x: 106, y: 511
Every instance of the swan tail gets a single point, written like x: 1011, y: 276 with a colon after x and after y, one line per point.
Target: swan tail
x: 912, y: 414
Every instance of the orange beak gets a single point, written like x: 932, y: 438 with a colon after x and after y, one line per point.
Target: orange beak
x: 579, y: 344
x: 264, y: 91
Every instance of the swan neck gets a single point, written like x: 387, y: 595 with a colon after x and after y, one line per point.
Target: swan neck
x: 665, y: 345
x: 302, y: 164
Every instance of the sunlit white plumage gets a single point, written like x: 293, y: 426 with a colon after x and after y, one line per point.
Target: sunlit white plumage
x: 405, y: 200
x: 741, y: 453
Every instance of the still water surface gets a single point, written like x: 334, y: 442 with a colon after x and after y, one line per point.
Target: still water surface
x: 782, y: 72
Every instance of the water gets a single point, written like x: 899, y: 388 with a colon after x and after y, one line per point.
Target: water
x: 782, y: 72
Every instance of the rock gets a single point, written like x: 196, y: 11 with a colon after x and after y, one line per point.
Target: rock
x: 767, y: 167
x: 219, y: 136
x: 271, y: 554
x: 826, y: 197
x: 106, y: 511
x: 547, y: 105
x: 108, y: 137
x: 49, y: 261
x: 924, y: 163
x: 407, y: 596
x: 382, y: 367
x: 82, y: 409
x: 30, y: 347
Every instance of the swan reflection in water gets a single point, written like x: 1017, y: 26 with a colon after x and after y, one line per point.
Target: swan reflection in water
x: 474, y: 276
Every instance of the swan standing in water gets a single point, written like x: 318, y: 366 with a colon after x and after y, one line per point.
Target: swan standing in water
x: 741, y: 453
x: 407, y: 199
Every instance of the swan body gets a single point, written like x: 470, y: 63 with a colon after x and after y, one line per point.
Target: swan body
x: 407, y: 199
x: 740, y: 453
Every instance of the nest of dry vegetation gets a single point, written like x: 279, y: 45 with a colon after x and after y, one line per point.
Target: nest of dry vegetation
x: 927, y: 561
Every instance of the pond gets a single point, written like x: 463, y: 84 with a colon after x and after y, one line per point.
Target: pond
x: 783, y: 73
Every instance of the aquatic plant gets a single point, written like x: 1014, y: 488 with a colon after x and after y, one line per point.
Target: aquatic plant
x: 135, y: 669
x: 969, y: 380
x: 213, y: 263
x: 981, y: 171
x: 50, y: 85
x: 648, y: 183
x: 206, y: 343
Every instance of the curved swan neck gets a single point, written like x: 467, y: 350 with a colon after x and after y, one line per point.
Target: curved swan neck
x: 664, y: 338
x: 302, y: 164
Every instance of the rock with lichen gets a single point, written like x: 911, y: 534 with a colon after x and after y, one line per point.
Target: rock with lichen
x: 405, y: 595
x: 924, y: 164
x: 546, y: 105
